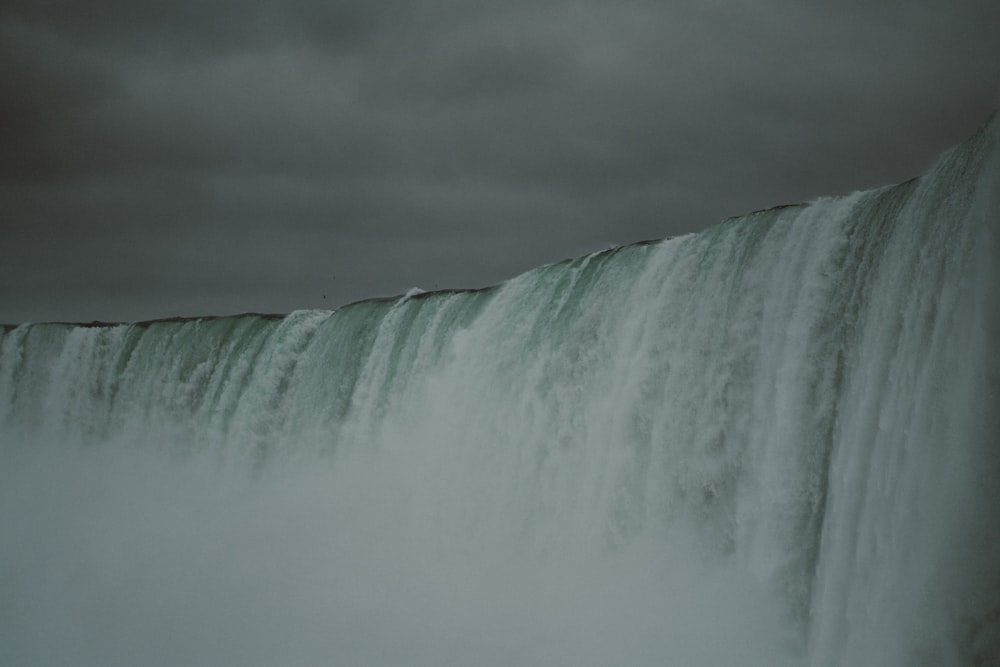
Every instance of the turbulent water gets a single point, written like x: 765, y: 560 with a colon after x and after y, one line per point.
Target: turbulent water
x: 776, y: 442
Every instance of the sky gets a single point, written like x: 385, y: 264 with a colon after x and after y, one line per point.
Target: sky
x: 190, y: 158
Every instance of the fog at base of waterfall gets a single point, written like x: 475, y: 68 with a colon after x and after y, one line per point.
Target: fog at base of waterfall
x: 151, y: 562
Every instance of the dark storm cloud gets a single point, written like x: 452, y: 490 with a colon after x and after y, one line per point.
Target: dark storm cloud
x: 192, y: 29
x: 196, y: 157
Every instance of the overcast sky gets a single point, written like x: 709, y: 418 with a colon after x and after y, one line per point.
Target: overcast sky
x: 191, y: 157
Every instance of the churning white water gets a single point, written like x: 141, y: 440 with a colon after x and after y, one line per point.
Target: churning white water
x: 771, y: 443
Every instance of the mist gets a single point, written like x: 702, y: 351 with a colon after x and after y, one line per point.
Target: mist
x: 118, y: 556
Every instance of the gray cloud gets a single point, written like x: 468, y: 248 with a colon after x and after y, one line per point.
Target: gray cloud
x: 188, y: 157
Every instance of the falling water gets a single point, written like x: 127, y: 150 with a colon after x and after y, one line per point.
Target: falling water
x: 771, y: 443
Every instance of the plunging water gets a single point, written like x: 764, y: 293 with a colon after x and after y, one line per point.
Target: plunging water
x: 771, y: 443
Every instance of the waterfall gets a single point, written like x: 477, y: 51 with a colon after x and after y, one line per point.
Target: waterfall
x: 775, y: 442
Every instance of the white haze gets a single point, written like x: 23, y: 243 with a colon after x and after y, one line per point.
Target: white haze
x: 125, y: 557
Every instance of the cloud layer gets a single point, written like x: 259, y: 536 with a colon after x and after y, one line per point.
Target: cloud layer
x: 190, y: 158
